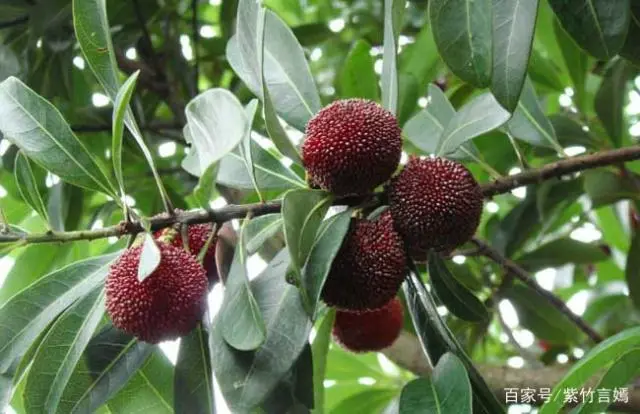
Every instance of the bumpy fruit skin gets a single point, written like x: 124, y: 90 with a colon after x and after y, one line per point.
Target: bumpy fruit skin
x: 369, y: 331
x: 198, y: 236
x: 369, y: 267
x: 436, y: 204
x: 351, y: 147
x: 167, y: 304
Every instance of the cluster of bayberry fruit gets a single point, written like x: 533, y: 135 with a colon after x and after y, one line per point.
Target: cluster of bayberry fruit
x: 352, y: 147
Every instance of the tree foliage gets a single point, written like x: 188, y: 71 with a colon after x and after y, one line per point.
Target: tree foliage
x: 113, y: 114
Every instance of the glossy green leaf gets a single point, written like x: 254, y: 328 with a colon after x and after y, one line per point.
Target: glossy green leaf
x: 513, y: 27
x: 120, y: 107
x: 10, y: 63
x: 437, y: 339
x: 631, y: 48
x: 611, y: 100
x: 302, y: 212
x: 60, y: 351
x: 560, y: 252
x: 529, y: 123
x: 597, y: 358
x: 536, y: 314
x: 39, y: 130
x: 598, y: 26
x: 454, y: 295
x: 261, y: 229
x: 320, y: 349
x: 620, y: 374
x: 570, y: 133
x: 632, y: 270
x: 448, y: 390
x: 607, y: 187
x: 393, y: 13
x: 92, y: 30
x: 325, y: 248
x: 576, y: 61
x: 111, y: 359
x: 246, y: 378
x: 463, y: 31
x: 420, y: 59
x: 270, y: 173
x: 193, y: 385
x: 357, y: 78
x: 28, y: 185
x: 216, y: 122
x: 481, y: 115
x: 150, y: 257
x: 26, y: 314
x: 246, y: 147
x: 242, y: 324
x: 150, y: 388
x: 286, y: 72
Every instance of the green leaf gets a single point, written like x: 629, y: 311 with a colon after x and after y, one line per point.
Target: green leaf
x: 261, y: 229
x: 302, y: 212
x: 28, y: 185
x: 324, y: 250
x: 420, y: 59
x: 631, y: 48
x: 27, y: 313
x: 246, y: 147
x: 92, y: 31
x: 597, y: 26
x: 150, y: 257
x: 599, y: 357
x: 607, y: 187
x: 454, y: 295
x: 540, y: 317
x: 560, y: 252
x: 577, y: 62
x: 193, y: 386
x: 39, y: 130
x: 611, y: 99
x: 246, y: 378
x: 150, y: 388
x: 623, y: 370
x: 242, y: 324
x: 447, y: 391
x: 286, y: 71
x: 109, y: 362
x: 529, y: 123
x: 216, y: 124
x: 632, y: 270
x: 270, y: 173
x: 481, y: 115
x: 514, y: 22
x: 570, y: 133
x: 294, y: 392
x: 393, y: 13
x: 60, y: 351
x: 119, y: 110
x: 437, y: 339
x: 371, y: 400
x: 357, y: 79
x: 463, y: 32
x: 319, y: 350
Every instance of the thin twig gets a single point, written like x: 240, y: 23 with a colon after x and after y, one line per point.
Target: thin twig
x: 523, y: 276
x: 499, y: 186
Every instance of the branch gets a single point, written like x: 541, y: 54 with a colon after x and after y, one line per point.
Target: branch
x: 560, y: 168
x: 499, y: 186
x: 406, y: 352
x: 513, y: 269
